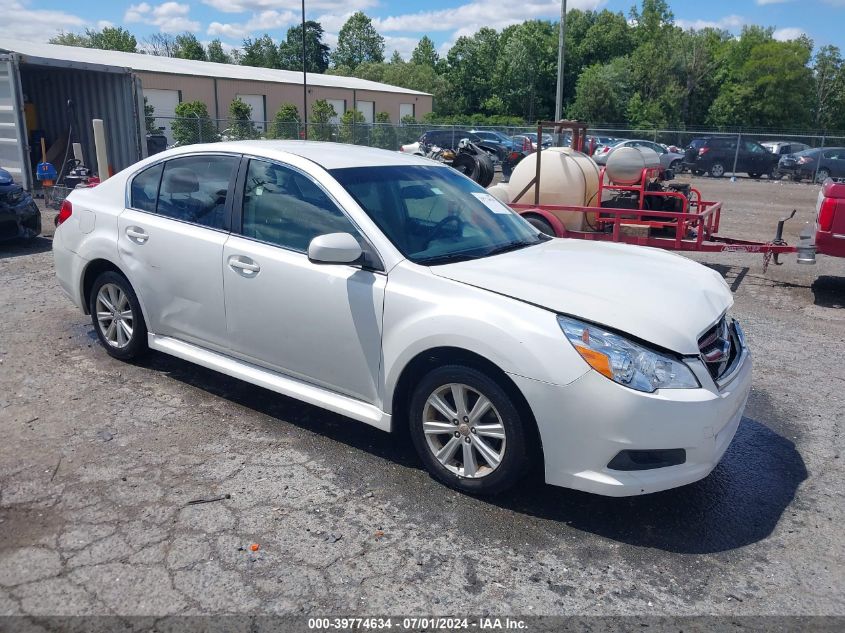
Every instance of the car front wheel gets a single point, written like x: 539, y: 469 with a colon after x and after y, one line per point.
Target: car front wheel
x: 468, y: 431
x: 116, y: 315
x: 822, y: 175
x: 717, y: 170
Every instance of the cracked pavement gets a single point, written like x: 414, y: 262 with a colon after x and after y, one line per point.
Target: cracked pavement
x: 100, y: 459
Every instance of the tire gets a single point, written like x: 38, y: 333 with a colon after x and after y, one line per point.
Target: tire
x: 467, y: 165
x: 717, y: 170
x: 504, y: 437
x: 487, y: 171
x: 541, y: 224
x: 128, y: 338
x: 676, y: 165
x: 822, y: 175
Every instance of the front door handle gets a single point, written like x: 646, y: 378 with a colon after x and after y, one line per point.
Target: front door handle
x: 137, y: 234
x: 243, y: 265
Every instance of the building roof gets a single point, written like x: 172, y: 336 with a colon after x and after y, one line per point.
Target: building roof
x: 327, y: 155
x: 54, y: 54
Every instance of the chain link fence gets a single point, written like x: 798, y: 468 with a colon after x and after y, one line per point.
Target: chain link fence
x: 164, y: 132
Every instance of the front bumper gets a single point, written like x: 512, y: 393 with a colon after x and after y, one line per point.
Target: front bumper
x: 585, y: 424
x: 21, y: 220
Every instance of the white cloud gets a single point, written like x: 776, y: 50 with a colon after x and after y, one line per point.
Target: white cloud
x: 104, y: 24
x: 256, y: 6
x: 405, y: 46
x: 259, y: 23
x: 169, y: 17
x: 789, y: 33
x: 20, y: 22
x: 729, y: 22
x: 470, y: 17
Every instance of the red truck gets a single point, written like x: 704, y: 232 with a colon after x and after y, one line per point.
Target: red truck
x: 830, y: 219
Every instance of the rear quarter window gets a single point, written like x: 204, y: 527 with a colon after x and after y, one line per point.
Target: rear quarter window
x: 144, y: 190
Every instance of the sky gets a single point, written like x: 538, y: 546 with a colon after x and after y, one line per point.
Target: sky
x: 401, y: 23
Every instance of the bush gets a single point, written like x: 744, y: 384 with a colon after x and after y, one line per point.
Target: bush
x: 384, y: 134
x: 353, y: 128
x: 409, y: 130
x: 286, y: 122
x: 193, y: 125
x: 321, y: 127
x: 241, y: 126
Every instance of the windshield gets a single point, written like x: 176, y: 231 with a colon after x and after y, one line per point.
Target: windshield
x: 434, y: 215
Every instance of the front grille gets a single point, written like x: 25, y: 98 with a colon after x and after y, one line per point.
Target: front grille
x: 719, y: 348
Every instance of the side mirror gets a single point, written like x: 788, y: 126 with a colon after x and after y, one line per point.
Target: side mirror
x: 334, y: 248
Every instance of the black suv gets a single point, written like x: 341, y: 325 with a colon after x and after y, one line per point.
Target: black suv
x: 715, y: 156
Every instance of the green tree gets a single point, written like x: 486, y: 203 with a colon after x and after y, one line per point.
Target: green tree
x: 829, y: 76
x: 383, y: 133
x: 316, y: 51
x: 286, y: 122
x: 526, y: 72
x: 773, y: 88
x: 320, y: 126
x: 192, y: 124
x: 602, y: 93
x: 261, y: 52
x: 700, y: 54
x: 241, y: 126
x: 353, y: 128
x: 409, y: 130
x: 425, y: 54
x: 71, y: 39
x: 470, y: 72
x: 150, y: 119
x: 396, y: 58
x: 189, y: 47
x: 358, y: 42
x: 113, y: 38
x: 216, y: 53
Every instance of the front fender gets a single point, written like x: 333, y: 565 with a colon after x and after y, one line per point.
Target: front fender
x: 423, y: 311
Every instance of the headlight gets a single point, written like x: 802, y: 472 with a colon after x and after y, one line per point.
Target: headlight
x: 626, y: 362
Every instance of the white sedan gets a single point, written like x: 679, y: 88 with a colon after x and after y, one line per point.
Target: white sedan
x: 399, y: 293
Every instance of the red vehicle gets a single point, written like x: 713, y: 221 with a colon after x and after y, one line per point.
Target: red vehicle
x: 671, y: 217
x: 830, y: 219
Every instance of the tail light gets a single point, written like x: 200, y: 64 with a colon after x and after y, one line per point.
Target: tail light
x: 527, y: 145
x: 605, y: 149
x: 804, y: 160
x: 826, y: 214
x: 703, y: 151
x: 65, y: 212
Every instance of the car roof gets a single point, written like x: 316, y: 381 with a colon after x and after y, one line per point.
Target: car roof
x: 327, y: 155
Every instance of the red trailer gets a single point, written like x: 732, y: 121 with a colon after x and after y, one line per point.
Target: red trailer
x: 691, y: 225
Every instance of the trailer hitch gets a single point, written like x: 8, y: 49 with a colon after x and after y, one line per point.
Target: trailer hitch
x: 779, y: 241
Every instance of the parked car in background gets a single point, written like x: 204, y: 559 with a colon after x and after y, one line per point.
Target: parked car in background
x: 715, y: 156
x: 19, y: 215
x: 496, y: 137
x: 451, y: 138
x: 593, y: 144
x: 668, y: 160
x: 784, y: 148
x: 814, y: 164
x: 397, y: 292
x: 412, y: 148
x: 548, y: 139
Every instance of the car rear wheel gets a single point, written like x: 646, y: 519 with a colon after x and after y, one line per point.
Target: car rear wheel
x: 717, y: 170
x: 468, y: 431
x: 676, y: 166
x: 822, y: 175
x: 116, y: 315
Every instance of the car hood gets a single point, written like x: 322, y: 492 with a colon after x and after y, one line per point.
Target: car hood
x: 653, y: 295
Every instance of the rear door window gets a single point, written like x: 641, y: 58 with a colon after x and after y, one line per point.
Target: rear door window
x: 195, y: 188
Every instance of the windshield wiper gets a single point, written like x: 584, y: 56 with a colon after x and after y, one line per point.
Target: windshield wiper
x: 449, y: 258
x: 511, y: 246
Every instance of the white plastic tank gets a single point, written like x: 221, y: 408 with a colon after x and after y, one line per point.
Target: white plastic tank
x: 567, y: 178
x: 625, y: 164
x: 501, y: 192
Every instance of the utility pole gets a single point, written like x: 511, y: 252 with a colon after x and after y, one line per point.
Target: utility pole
x: 304, y: 77
x: 561, y: 58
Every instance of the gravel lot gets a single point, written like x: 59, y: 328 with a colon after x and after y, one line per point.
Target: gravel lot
x: 99, y: 461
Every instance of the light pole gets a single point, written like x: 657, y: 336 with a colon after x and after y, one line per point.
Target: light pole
x: 304, y: 78
x: 561, y: 48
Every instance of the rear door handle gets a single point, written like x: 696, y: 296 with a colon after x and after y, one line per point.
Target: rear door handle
x: 243, y: 265
x: 137, y: 234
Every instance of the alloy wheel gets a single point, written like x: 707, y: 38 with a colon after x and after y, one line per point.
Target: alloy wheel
x: 464, y: 431
x: 114, y: 315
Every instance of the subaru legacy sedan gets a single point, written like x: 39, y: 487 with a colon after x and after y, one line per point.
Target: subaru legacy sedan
x: 395, y: 291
